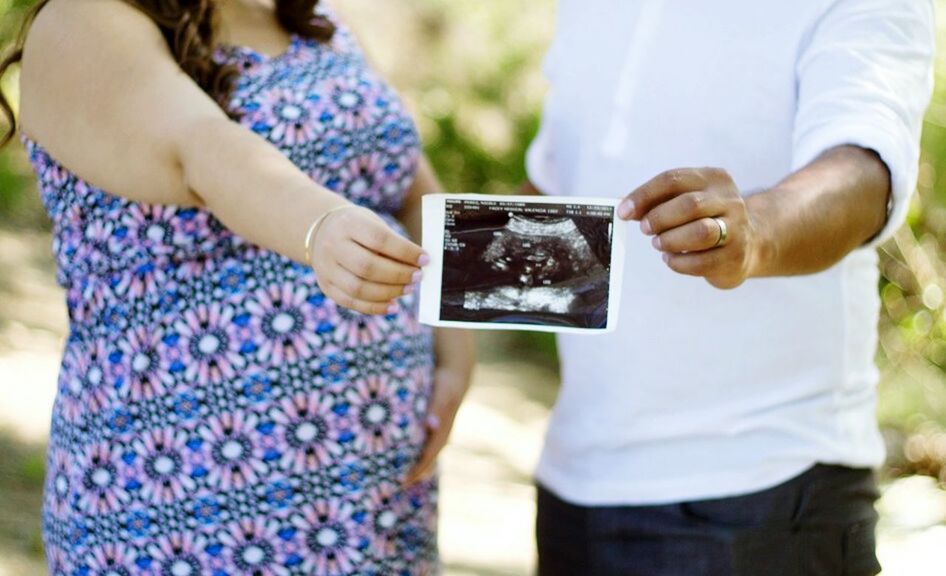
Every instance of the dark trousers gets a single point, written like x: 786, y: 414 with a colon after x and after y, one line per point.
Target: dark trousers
x: 820, y: 523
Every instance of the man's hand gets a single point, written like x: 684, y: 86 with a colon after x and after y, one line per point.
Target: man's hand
x: 680, y: 208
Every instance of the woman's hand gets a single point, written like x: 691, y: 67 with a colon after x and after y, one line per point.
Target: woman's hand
x: 361, y: 263
x: 450, y: 387
x: 700, y: 222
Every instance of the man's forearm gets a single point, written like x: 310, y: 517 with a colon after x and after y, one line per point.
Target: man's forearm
x: 815, y: 217
x: 807, y: 223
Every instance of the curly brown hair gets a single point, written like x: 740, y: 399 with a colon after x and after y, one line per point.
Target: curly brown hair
x: 190, y: 29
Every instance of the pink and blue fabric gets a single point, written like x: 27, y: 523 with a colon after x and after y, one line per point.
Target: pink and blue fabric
x: 216, y: 413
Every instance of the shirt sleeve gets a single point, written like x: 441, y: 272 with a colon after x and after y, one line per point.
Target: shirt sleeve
x: 540, y: 162
x: 865, y: 78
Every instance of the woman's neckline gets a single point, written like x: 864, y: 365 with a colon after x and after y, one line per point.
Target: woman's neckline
x: 242, y: 24
x: 258, y: 55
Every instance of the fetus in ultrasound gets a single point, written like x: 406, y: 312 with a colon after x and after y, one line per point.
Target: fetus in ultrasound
x: 537, y: 266
x: 511, y: 267
x: 540, y: 252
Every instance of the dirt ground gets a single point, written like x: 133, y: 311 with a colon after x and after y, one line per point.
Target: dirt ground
x: 487, y: 494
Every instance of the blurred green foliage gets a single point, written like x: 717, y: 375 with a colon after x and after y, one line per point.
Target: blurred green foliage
x: 912, y: 354
x: 471, y: 72
x: 19, y: 205
x: 22, y: 469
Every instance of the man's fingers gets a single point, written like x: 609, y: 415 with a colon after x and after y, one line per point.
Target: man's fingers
x: 373, y: 267
x: 696, y: 236
x: 658, y: 190
x: 346, y: 300
x: 378, y: 237
x: 686, y: 207
x: 696, y: 264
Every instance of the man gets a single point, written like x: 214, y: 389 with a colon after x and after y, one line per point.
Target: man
x: 727, y: 427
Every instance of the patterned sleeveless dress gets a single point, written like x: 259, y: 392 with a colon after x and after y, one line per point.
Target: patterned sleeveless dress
x: 216, y: 413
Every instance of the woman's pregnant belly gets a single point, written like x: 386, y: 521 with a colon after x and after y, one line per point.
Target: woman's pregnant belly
x: 239, y: 370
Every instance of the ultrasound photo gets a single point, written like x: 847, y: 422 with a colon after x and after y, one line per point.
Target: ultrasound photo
x: 526, y: 262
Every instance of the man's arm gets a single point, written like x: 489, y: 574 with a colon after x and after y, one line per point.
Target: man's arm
x: 805, y: 224
x: 864, y: 78
x: 816, y: 216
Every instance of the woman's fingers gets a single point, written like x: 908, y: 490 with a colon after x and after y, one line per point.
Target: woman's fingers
x: 678, y: 211
x: 448, y: 391
x: 361, y: 261
x: 373, y: 267
x: 364, y: 289
x: 436, y: 440
x: 346, y: 300
x: 696, y: 236
x: 375, y: 235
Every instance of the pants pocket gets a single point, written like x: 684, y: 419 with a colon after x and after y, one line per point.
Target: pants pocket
x: 772, y: 552
x: 860, y: 549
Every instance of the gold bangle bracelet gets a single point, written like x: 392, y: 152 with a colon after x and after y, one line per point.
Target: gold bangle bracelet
x: 314, y: 229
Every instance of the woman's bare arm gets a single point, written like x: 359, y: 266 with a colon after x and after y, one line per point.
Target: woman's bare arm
x: 425, y: 182
x: 103, y: 94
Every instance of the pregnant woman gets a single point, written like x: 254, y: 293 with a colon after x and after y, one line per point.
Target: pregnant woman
x: 245, y: 388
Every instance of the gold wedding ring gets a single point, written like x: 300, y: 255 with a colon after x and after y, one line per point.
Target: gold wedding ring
x: 723, y: 232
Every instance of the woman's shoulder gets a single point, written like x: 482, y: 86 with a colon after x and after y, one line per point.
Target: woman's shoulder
x: 68, y: 21
x: 344, y: 40
x: 68, y: 39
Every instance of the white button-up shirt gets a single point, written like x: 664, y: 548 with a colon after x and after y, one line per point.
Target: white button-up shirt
x: 700, y: 392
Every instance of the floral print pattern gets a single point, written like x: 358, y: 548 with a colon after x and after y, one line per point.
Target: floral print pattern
x: 216, y: 412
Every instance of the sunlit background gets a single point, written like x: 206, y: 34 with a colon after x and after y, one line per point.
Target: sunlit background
x: 470, y: 70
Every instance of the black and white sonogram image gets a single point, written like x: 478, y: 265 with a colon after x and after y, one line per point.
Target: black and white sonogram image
x: 525, y: 263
